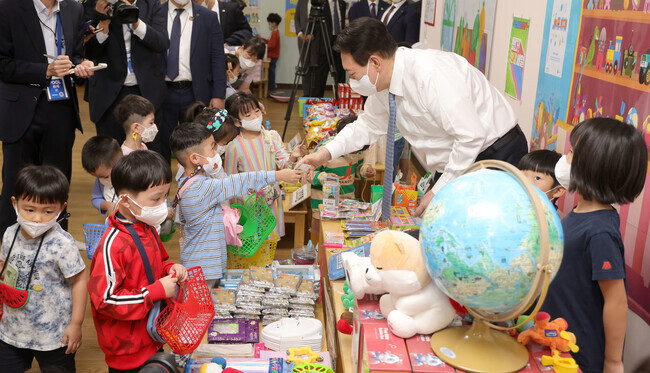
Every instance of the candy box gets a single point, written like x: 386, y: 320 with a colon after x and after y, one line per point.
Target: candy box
x: 366, y: 311
x: 335, y: 268
x: 382, y: 351
x: 237, y: 330
x: 331, y: 193
x: 423, y: 359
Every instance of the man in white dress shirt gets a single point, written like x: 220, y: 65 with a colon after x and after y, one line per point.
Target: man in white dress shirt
x: 446, y: 109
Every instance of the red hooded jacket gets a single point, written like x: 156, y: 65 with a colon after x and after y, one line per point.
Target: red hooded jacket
x: 121, y: 296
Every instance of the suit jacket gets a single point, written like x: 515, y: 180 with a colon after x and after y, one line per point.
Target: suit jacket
x: 147, y: 59
x: 362, y: 9
x: 23, y: 66
x: 207, y: 61
x: 405, y: 24
x: 302, y: 20
x: 234, y: 25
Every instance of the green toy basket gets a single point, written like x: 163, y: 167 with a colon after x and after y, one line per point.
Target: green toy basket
x: 258, y: 221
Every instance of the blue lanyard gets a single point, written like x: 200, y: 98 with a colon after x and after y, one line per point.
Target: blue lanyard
x: 59, y: 35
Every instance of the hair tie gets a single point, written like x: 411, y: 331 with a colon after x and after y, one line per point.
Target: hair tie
x: 217, y: 120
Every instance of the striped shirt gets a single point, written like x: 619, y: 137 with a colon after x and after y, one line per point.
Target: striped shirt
x: 200, y: 212
x: 263, y: 153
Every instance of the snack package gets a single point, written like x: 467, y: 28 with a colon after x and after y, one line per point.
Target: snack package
x: 287, y: 283
x: 224, y: 301
x: 261, y: 277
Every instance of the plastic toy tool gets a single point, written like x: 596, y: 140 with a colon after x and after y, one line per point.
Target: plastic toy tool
x: 560, y: 364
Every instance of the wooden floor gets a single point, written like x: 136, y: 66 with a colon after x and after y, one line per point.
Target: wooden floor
x: 89, y: 357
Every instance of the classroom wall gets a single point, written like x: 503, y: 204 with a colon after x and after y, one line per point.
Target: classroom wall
x: 638, y: 331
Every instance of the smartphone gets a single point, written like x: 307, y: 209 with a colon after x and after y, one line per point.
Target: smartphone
x: 87, y: 29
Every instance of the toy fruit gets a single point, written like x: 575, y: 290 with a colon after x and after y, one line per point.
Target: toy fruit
x: 13, y: 297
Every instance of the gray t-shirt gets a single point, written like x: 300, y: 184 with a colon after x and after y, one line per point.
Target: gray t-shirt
x: 40, y: 324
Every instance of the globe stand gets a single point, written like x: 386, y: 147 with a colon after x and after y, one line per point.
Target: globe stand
x: 478, y: 348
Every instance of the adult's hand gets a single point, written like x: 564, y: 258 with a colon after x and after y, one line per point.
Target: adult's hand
x: 83, y: 69
x: 217, y: 103
x: 102, y: 7
x: 59, y: 67
x: 317, y: 159
x: 426, y: 199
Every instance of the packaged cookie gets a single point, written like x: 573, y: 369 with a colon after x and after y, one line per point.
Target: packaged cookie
x: 287, y: 283
x: 261, y: 277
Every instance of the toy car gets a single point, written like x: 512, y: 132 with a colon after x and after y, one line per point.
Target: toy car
x: 644, y: 71
x: 613, y: 59
x: 629, y: 62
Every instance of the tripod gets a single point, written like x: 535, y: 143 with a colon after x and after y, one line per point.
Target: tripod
x: 316, y: 18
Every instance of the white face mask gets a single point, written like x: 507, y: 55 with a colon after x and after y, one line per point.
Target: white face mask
x: 151, y: 215
x: 35, y: 229
x: 149, y: 133
x: 214, y: 167
x: 563, y: 172
x: 253, y: 124
x: 233, y: 79
x: 363, y: 86
x: 182, y: 2
x: 246, y: 63
x: 221, y: 149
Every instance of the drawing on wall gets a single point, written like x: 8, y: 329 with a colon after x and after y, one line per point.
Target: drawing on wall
x: 289, y: 18
x: 448, y: 20
x: 430, y: 12
x: 557, y: 38
x: 517, y: 56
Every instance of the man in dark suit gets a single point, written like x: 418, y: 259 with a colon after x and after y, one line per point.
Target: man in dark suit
x: 402, y: 21
x: 234, y: 25
x: 316, y: 57
x: 34, y: 128
x: 195, y: 63
x: 134, y: 54
x: 367, y: 8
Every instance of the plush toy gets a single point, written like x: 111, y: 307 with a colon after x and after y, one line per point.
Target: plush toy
x: 414, y: 304
x: 356, y: 270
x: 550, y: 333
x: 344, y: 325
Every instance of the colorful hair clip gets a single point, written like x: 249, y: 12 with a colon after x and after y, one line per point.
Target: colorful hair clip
x: 217, y: 121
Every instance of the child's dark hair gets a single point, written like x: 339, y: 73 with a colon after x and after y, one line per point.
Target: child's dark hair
x: 42, y: 184
x: 187, y: 136
x: 232, y: 60
x: 241, y: 103
x: 274, y: 17
x: 132, y: 109
x: 610, y: 161
x: 340, y: 125
x: 199, y: 113
x: 98, y: 151
x: 140, y: 170
x: 542, y: 161
x: 255, y: 46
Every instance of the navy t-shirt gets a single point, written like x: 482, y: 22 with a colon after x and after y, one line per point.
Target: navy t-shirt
x: 593, y: 251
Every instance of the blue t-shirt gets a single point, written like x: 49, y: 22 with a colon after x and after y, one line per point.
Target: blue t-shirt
x: 593, y: 251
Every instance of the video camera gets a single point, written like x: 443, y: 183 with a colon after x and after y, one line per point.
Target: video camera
x: 317, y: 3
x: 119, y: 11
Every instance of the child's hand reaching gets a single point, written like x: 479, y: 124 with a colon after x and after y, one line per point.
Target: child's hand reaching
x: 367, y: 171
x: 180, y: 271
x: 72, y: 337
x: 169, y: 284
x: 288, y: 176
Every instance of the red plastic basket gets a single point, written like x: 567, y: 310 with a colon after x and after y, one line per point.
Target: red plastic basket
x: 184, y: 322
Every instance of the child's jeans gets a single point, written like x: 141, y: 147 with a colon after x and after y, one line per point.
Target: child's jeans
x: 14, y: 359
x: 272, y: 74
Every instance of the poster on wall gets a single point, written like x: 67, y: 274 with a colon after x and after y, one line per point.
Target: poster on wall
x: 467, y: 29
x: 611, y: 79
x: 552, y: 89
x: 430, y: 12
x: 289, y: 17
x: 557, y: 37
x: 517, y: 56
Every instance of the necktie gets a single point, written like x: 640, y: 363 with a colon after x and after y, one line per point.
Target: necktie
x: 392, y: 7
x: 337, y: 20
x: 373, y: 12
x: 174, y: 46
x: 390, y: 149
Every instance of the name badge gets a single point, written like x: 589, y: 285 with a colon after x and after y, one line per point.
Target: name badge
x: 11, y: 276
x: 128, y: 62
x: 57, y: 91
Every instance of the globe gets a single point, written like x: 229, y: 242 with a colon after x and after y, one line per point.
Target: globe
x: 481, y: 239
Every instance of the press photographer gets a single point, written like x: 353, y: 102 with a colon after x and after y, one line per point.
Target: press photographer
x: 134, y: 53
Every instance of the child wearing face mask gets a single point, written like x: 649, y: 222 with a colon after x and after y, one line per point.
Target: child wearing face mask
x: 136, y: 114
x: 98, y: 156
x: 232, y: 72
x: 248, y: 55
x: 257, y: 149
x: 539, y: 168
x: 39, y: 258
x: 121, y: 292
x: 200, y: 196
x: 608, y: 164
